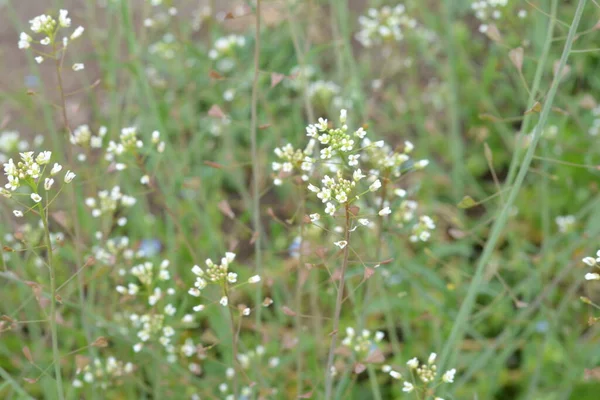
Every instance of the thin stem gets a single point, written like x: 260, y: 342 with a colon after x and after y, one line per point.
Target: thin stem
x: 234, y: 344
x: 298, y: 301
x: 255, y: 168
x: 449, y: 353
x: 53, y: 326
x: 338, y: 309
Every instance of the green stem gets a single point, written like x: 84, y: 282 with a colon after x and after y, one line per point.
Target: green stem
x: 338, y: 309
x: 53, y: 326
x: 450, y: 349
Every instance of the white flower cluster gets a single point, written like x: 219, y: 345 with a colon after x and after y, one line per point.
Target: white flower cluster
x: 108, y: 202
x: 364, y: 344
x: 293, y: 160
x: 30, y: 171
x: 487, y: 11
x: 103, y: 374
x: 592, y: 262
x: 224, y: 52
x: 218, y: 274
x: 83, y: 136
x: 130, y: 143
x: 113, y: 250
x: 427, y: 373
x: 152, y: 324
x: 338, y: 189
x: 384, y: 25
x: 383, y: 160
x: 167, y: 48
x: 422, y: 229
x: 48, y: 27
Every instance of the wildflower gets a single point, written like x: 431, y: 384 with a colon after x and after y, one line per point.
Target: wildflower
x: 448, y: 376
x: 407, y: 387
x: 48, y: 182
x: 375, y: 185
x: 330, y: 209
x: 431, y: 358
x: 56, y: 169
x: 44, y: 157
x: 413, y: 363
x: 39, y: 59
x: 254, y: 279
x: 224, y: 301
x: 36, y: 197
x: 77, y: 32
x: 341, y: 244
x: 592, y: 276
x: 144, y: 180
x: 78, y: 67
x: 69, y: 176
x: 18, y: 213
x: 24, y: 41
x: 314, y: 217
x: 395, y: 374
x: 385, y: 211
x: 591, y: 261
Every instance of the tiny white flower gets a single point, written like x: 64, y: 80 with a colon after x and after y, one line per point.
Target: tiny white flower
x: 78, y: 67
x: 56, y: 169
x: 448, y: 376
x: 77, y: 32
x: 36, y: 197
x: 407, y: 387
x: 385, y: 211
x: 45, y: 41
x: 400, y: 192
x: 145, y: 180
x: 431, y: 359
x: 313, y: 188
x: 341, y: 244
x: 18, y: 213
x: 63, y: 20
x: 421, y: 164
x: 375, y: 185
x: 592, y: 276
x: 254, y: 279
x: 395, y: 374
x: 330, y: 209
x: 591, y: 261
x: 69, y: 176
x: 363, y: 221
x: 224, y: 301
x: 246, y: 311
x: 413, y: 363
x: 39, y: 59
x: 48, y: 182
x: 137, y: 347
x: 198, y: 308
x: 314, y: 217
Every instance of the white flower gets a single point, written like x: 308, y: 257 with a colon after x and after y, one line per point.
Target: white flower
x: 448, y: 376
x: 232, y: 277
x: 63, y: 20
x: 44, y: 157
x: 36, y: 197
x: 314, y: 217
x: 224, y: 301
x: 431, y: 359
x: 407, y: 387
x: 137, y: 347
x: 357, y: 175
x: 56, y: 169
x: 24, y: 41
x: 69, y: 176
x: 400, y: 192
x: 375, y: 185
x: 246, y: 311
x: 39, y: 59
x: 198, y: 308
x: 363, y: 221
x: 395, y: 374
x: 341, y: 244
x: 77, y: 32
x: 48, y: 183
x: 45, y: 41
x: 18, y: 213
x: 330, y: 209
x: 78, y: 67
x: 408, y: 147
x: 145, y: 180
x: 313, y: 188
x: 343, y: 116
x: 592, y: 276
x: 413, y: 363
x: 591, y: 261
x: 254, y: 279
x: 421, y: 164
x: 385, y: 211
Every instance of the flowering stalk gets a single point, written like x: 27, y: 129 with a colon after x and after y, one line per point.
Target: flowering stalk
x: 298, y: 300
x: 234, y: 342
x: 338, y: 307
x: 53, y: 327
